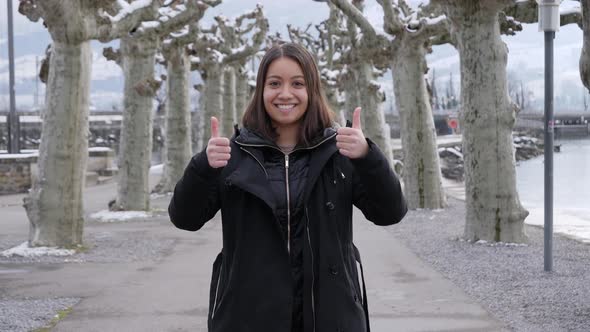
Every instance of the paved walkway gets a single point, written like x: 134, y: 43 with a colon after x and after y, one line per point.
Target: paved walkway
x: 171, y: 293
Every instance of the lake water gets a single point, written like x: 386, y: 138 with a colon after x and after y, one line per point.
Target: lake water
x: 571, y: 184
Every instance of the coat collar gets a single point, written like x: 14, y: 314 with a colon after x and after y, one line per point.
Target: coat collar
x: 251, y: 175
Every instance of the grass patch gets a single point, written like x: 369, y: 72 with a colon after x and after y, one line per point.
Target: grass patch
x: 59, y: 316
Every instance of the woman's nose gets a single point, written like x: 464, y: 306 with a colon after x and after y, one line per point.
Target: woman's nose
x: 285, y: 92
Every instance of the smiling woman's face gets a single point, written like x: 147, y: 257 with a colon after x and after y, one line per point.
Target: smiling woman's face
x: 285, y: 94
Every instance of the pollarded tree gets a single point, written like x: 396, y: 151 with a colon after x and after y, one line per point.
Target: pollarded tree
x: 324, y: 48
x: 494, y: 211
x: 54, y: 204
x: 136, y: 57
x: 250, y: 26
x: 177, y: 143
x: 366, y: 50
x: 221, y: 46
x: 413, y: 33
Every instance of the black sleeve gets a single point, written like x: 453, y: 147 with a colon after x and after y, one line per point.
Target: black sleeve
x: 196, y: 195
x: 376, y: 189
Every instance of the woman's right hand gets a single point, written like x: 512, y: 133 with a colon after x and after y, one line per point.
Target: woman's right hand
x: 218, y: 148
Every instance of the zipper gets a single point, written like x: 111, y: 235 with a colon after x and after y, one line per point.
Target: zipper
x: 312, y: 267
x: 216, y: 291
x: 258, y: 161
x: 288, y: 203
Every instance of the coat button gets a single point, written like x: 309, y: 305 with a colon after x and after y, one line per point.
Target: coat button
x: 333, y: 270
x: 228, y: 182
x: 330, y: 205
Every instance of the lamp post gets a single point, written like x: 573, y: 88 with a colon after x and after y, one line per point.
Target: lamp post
x: 549, y: 23
x: 13, y: 135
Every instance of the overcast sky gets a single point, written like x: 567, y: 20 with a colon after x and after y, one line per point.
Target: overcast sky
x: 525, y: 49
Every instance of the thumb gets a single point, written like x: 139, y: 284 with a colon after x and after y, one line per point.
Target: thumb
x: 356, y: 118
x: 214, y: 127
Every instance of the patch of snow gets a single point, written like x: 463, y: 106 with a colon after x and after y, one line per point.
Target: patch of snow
x: 17, y: 155
x: 157, y: 169
x: 23, y: 250
x: 99, y: 149
x: 128, y: 8
x: 569, y: 7
x: 571, y: 222
x: 114, y: 216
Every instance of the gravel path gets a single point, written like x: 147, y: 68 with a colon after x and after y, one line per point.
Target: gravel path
x: 29, y: 314
x: 508, y: 280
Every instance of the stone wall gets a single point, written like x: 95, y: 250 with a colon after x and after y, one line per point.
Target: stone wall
x: 17, y: 172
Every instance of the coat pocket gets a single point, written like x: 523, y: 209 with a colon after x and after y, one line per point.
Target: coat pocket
x: 216, y: 285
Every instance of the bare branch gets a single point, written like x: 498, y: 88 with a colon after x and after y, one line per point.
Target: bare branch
x: 391, y: 24
x: 508, y: 25
x: 257, y: 40
x: 112, y: 54
x: 357, y: 17
x: 128, y: 17
x: 432, y: 27
x: 30, y: 9
x: 171, y: 21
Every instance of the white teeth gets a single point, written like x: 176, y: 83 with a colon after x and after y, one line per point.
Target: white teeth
x: 286, y: 107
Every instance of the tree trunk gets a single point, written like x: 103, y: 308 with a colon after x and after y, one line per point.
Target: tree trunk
x: 54, y: 205
x: 351, y: 93
x: 178, y: 121
x: 371, y: 100
x: 422, y: 176
x: 135, y: 150
x: 242, y: 93
x: 213, y: 100
x: 229, y: 102
x: 494, y: 212
x: 585, y: 56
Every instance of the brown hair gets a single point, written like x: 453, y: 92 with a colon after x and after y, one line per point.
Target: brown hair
x: 318, y: 115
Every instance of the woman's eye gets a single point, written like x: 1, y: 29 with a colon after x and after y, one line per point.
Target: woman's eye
x: 274, y: 84
x: 299, y: 84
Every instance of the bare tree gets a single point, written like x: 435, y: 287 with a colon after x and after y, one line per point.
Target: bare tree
x: 54, y: 205
x: 494, y: 211
x: 226, y: 44
x: 177, y: 144
x: 585, y: 56
x: 406, y: 53
x: 325, y: 50
x: 136, y: 57
x: 365, y: 51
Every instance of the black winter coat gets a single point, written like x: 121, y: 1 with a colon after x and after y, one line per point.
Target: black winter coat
x: 252, y: 281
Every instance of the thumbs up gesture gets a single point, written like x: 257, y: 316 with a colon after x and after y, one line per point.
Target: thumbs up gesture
x: 350, y: 141
x: 218, y: 149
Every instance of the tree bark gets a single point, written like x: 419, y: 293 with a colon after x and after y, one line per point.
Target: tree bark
x: 135, y: 149
x: 371, y: 100
x: 229, y: 102
x: 585, y: 56
x: 422, y: 175
x: 54, y: 205
x: 242, y: 92
x: 178, y: 120
x: 494, y: 211
x: 213, y: 99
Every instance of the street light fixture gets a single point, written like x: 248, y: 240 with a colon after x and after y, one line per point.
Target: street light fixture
x: 549, y: 23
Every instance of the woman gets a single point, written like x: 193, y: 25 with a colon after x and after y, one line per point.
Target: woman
x: 285, y: 185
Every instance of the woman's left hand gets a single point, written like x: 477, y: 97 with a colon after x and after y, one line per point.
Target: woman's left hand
x: 351, y: 142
